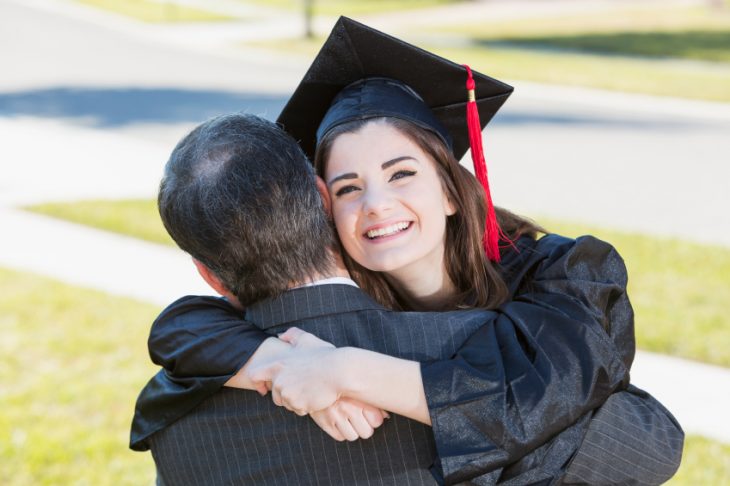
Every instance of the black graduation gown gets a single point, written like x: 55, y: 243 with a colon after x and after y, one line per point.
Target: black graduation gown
x: 201, y: 342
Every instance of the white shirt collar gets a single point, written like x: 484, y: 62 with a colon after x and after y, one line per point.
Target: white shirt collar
x: 329, y: 281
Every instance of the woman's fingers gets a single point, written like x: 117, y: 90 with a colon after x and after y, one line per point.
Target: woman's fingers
x: 264, y: 373
x: 302, y: 339
x: 345, y: 420
x: 263, y: 387
x: 354, y: 412
x: 292, y: 335
x: 323, y: 419
x: 276, y: 396
x: 363, y: 429
x: 347, y: 430
x: 373, y: 416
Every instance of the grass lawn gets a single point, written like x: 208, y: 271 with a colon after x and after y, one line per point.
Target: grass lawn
x: 135, y: 217
x: 156, y: 11
x: 679, y: 290
x: 73, y: 361
x: 704, y: 462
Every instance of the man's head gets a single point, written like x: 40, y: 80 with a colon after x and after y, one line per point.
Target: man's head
x: 240, y: 196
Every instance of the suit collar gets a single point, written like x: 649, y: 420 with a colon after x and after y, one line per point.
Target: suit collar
x: 309, y: 302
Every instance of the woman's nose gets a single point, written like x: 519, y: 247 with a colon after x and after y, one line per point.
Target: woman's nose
x: 376, y: 202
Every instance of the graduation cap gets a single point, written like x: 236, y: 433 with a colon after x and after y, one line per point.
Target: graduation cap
x: 362, y: 73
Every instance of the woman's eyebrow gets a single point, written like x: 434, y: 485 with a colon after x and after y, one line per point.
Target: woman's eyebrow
x: 394, y: 161
x: 348, y: 175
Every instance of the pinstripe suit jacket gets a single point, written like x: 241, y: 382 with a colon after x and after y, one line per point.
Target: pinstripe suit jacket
x: 238, y: 437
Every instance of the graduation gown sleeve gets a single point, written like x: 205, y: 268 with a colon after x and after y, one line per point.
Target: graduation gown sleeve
x: 200, y: 342
x: 564, y: 344
x: 199, y: 336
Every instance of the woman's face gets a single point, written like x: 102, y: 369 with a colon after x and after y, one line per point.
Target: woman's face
x: 388, y: 203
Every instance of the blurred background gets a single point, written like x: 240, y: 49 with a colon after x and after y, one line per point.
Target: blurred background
x: 619, y: 127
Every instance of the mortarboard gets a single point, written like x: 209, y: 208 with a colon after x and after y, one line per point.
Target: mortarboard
x: 450, y: 99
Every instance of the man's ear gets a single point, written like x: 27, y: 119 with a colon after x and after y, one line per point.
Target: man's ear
x: 325, y: 194
x: 211, y: 278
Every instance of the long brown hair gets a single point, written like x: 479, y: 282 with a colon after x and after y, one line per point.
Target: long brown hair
x: 477, y: 280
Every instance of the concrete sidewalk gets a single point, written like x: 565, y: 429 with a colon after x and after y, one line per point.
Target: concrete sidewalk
x: 696, y: 393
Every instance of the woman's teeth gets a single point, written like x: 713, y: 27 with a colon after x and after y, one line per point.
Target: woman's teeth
x: 388, y: 230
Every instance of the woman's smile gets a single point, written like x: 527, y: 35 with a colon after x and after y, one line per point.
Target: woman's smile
x: 384, y: 232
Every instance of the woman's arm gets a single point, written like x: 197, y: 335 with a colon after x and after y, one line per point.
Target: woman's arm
x: 316, y: 374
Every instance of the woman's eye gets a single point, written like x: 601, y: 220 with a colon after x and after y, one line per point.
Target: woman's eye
x: 401, y: 174
x: 345, y: 190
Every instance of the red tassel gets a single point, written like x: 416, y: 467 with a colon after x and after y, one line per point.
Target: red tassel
x: 492, y: 231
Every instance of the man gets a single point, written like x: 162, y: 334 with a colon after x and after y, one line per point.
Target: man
x: 241, y: 198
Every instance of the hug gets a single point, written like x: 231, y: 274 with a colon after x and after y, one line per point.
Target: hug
x: 381, y: 321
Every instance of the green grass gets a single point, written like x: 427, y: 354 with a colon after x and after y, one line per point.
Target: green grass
x: 352, y: 7
x: 72, y: 363
x: 679, y: 290
x: 134, y: 217
x: 704, y: 462
x: 160, y: 11
x: 697, y: 45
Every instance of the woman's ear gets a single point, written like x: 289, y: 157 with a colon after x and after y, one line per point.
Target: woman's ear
x: 325, y: 194
x: 449, y: 206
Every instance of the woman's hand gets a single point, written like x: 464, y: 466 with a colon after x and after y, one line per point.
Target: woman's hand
x: 306, y: 378
x: 349, y: 419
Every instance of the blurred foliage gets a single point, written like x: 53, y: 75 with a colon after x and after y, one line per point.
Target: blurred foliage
x: 704, y: 462
x: 679, y: 289
x: 156, y: 11
x: 73, y: 361
x: 134, y: 217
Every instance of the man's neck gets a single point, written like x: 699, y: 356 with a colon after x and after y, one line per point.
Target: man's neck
x: 338, y: 269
